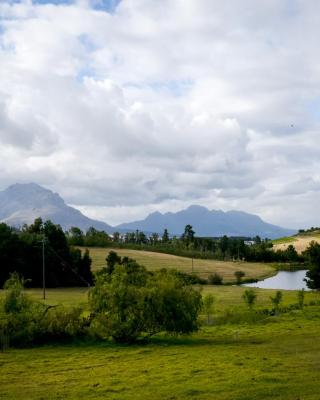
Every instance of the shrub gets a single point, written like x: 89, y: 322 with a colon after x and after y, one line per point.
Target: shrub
x: 215, y: 279
x: 25, y: 321
x: 208, y: 304
x: 187, y: 279
x: 239, y: 275
x: 276, y: 300
x: 19, y: 314
x: 249, y: 296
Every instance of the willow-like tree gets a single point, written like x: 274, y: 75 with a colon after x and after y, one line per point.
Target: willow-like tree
x: 132, y: 303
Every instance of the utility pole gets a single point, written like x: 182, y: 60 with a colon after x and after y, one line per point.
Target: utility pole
x: 43, y: 270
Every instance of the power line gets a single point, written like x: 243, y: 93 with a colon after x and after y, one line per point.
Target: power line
x: 66, y: 264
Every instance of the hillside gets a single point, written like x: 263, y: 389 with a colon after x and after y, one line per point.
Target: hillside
x: 155, y: 261
x: 300, y: 242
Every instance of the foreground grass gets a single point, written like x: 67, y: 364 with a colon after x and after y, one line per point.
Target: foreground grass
x: 275, y: 360
x: 155, y: 261
x: 225, y: 296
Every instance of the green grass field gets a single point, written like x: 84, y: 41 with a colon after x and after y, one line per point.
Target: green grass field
x: 225, y: 296
x: 276, y: 359
x: 155, y: 261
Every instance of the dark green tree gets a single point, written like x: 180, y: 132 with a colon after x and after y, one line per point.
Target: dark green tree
x: 116, y: 237
x: 95, y: 238
x: 224, y: 244
x: 75, y: 236
x: 188, y: 235
x: 291, y: 254
x: 165, y: 236
x: 312, y: 255
x: 112, y: 259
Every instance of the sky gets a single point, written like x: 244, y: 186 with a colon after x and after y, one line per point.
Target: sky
x: 132, y: 106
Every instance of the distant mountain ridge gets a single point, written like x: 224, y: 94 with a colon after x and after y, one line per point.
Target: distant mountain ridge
x: 22, y: 203
x: 208, y: 223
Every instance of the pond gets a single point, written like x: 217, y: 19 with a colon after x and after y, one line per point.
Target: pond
x: 283, y: 280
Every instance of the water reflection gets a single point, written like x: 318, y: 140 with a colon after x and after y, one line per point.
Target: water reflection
x: 283, y: 280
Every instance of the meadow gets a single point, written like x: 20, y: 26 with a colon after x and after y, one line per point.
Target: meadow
x: 276, y: 358
x: 239, y: 355
x: 155, y: 261
x: 225, y: 296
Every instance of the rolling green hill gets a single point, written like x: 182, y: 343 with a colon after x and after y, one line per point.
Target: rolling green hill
x: 155, y: 261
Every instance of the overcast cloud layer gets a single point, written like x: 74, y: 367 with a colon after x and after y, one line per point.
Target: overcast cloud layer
x: 140, y: 105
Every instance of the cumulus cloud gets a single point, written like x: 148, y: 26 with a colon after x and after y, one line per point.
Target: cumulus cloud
x: 135, y: 106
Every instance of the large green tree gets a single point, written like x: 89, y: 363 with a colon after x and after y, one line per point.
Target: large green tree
x: 133, y: 303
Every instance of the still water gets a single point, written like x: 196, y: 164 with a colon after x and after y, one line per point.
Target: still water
x: 283, y: 280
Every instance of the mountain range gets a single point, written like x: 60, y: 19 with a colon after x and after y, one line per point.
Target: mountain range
x: 208, y: 223
x: 22, y: 203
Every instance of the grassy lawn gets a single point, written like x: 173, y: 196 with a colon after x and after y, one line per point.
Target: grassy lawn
x: 225, y: 296
x: 275, y: 360
x: 277, y: 357
x: 154, y: 261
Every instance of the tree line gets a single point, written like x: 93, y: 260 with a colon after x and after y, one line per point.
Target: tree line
x: 188, y: 245
x: 24, y: 251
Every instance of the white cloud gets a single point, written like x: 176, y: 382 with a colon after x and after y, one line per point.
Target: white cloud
x: 159, y: 105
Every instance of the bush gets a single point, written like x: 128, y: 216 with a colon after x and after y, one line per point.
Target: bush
x: 239, y: 275
x: 215, y: 279
x: 187, y: 279
x: 132, y: 303
x: 25, y: 321
x: 276, y: 300
x: 208, y: 306
x: 249, y: 296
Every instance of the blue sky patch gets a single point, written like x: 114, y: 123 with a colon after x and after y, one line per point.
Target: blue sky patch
x: 56, y: 2
x: 105, y: 5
